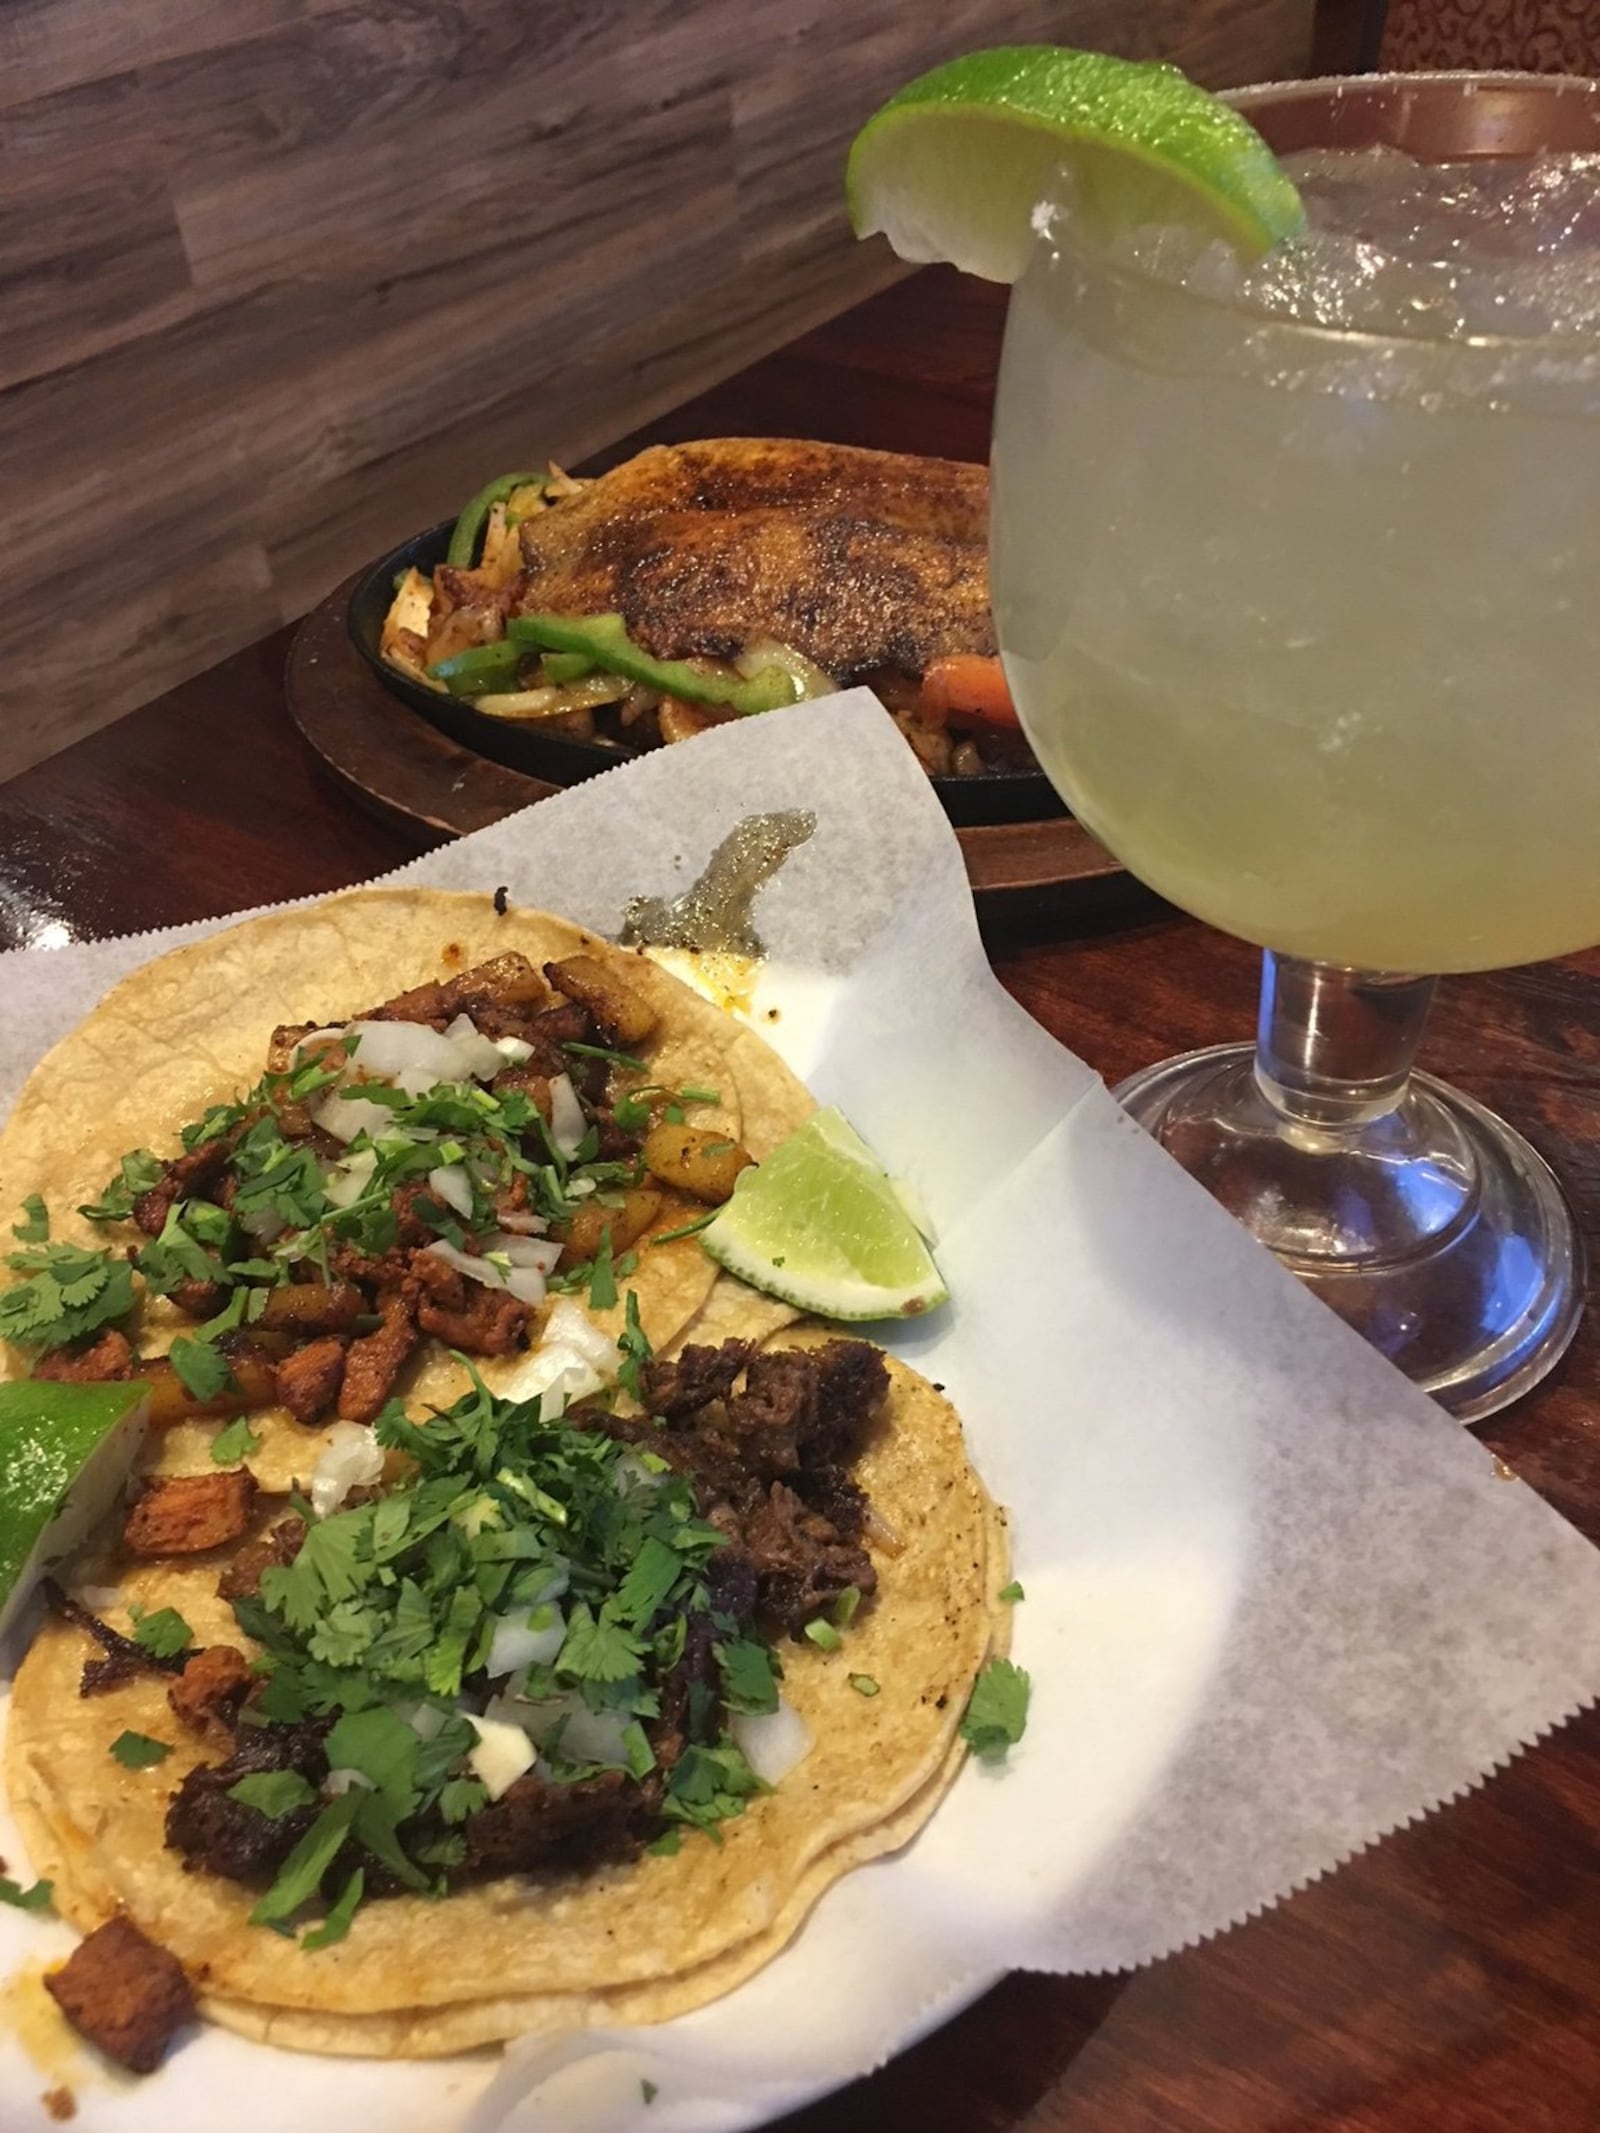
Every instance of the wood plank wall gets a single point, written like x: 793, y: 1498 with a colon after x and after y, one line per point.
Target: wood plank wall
x: 284, y: 279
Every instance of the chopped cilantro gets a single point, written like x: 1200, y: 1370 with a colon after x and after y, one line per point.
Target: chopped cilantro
x: 635, y: 1350
x: 823, y: 1635
x: 1012, y: 1593
x: 667, y: 1845
x: 305, y: 1866
x: 383, y: 1749
x: 686, y: 1229
x: 203, y: 1369
x: 138, y: 1172
x: 863, y: 1684
x: 649, y: 2091
x: 709, y: 1785
x: 177, y: 1256
x: 35, y: 1898
x: 274, y: 1793
x: 997, y: 1710
x: 336, y: 1924
x: 461, y: 1797
x: 69, y: 1291
x: 844, y: 1608
x: 598, y: 1648
x: 163, y: 1634
x: 699, y: 1096
x: 748, y: 1679
x: 651, y: 1576
x: 137, y: 1751
x: 598, y: 1051
x: 602, y: 1278
x: 35, y: 1225
x: 234, y: 1443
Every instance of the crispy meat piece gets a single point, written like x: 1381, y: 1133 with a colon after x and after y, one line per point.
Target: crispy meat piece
x: 275, y: 1550
x: 309, y: 1380
x: 103, y: 1360
x: 190, y: 1513
x: 463, y: 1313
x: 122, y: 1659
x: 223, y: 1835
x: 199, y: 1299
x: 536, y: 1827
x: 857, y: 559
x: 696, y: 1377
x: 625, y: 1017
x: 125, y: 1993
x: 801, y: 1563
x: 852, y: 1384
x: 209, y: 1691
x: 777, y: 1408
x: 377, y: 1359
x: 188, y: 1177
x: 500, y: 997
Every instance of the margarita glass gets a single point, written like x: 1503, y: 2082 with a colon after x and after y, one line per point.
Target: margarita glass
x: 1295, y: 574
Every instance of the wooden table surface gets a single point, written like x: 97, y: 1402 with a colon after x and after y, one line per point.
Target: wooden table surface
x: 1446, y: 1982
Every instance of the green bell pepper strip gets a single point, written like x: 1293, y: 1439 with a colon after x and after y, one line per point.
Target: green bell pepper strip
x: 562, y: 667
x: 468, y: 534
x: 482, y: 668
x: 604, y: 640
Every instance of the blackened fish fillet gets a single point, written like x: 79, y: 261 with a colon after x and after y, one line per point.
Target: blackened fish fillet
x: 860, y: 560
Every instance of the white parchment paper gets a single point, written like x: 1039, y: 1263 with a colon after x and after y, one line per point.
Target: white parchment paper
x: 1277, y: 1602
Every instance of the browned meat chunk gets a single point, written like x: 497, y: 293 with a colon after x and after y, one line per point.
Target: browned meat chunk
x: 536, y: 1825
x: 222, y: 1834
x: 776, y: 1410
x: 625, y: 1017
x: 465, y: 1313
x: 200, y: 1299
x: 273, y: 1551
x: 376, y: 1360
x: 801, y: 1563
x: 209, y: 1691
x: 852, y: 1385
x: 309, y: 1380
x: 698, y: 1376
x: 104, y: 1359
x: 192, y: 1176
x: 124, y: 1993
x: 499, y: 997
x: 191, y: 1513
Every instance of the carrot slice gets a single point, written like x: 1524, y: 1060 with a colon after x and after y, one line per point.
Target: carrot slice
x: 967, y: 684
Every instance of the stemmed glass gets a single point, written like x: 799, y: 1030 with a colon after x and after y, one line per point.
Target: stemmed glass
x: 1305, y: 625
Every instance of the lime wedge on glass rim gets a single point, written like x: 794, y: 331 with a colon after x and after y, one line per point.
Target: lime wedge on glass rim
x: 821, y: 1226
x: 953, y: 166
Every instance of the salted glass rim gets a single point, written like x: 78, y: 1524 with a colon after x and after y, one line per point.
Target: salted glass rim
x: 1581, y: 351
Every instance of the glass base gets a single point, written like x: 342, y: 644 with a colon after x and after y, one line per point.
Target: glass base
x: 1435, y: 1231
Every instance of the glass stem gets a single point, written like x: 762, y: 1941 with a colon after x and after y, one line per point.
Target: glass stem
x: 1334, y: 1047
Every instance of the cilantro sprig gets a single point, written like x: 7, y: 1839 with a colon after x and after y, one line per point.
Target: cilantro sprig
x: 997, y: 1710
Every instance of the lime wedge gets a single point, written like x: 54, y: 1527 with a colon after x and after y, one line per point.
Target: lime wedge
x: 952, y: 167
x: 65, y: 1451
x: 820, y: 1225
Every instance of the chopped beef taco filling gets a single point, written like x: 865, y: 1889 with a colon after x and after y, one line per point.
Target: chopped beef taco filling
x: 532, y: 1655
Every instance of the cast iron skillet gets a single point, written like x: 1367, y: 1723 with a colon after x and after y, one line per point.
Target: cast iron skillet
x: 995, y: 796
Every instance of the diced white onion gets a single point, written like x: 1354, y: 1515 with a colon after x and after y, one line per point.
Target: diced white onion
x: 347, y: 1181
x: 516, y: 1643
x: 765, y: 652
x: 527, y: 1284
x: 464, y: 1263
x: 567, y: 1122
x: 451, y: 1184
x: 524, y: 1225
x: 514, y: 1050
x: 265, y: 1224
x: 586, y: 1736
x: 345, y: 1116
x: 503, y: 1753
x: 100, y: 1599
x: 395, y: 1050
x: 540, y: 1252
x: 314, y: 1039
x: 773, y: 1742
x: 426, y: 1720
x: 572, y: 1360
x: 480, y: 1055
x: 630, y: 1472
x: 353, y: 1459
x: 341, y: 1781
